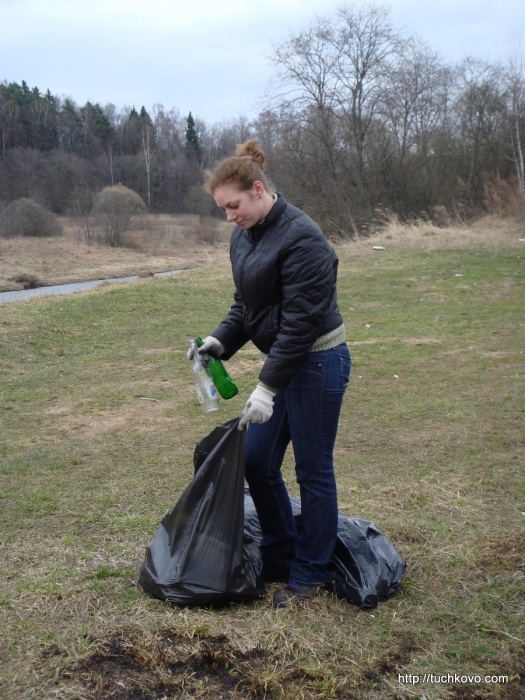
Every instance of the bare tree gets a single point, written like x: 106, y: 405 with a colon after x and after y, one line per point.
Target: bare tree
x: 516, y: 83
x: 306, y: 101
x: 415, y: 111
x: 220, y: 139
x: 332, y: 78
x: 85, y: 226
x: 8, y: 116
x: 149, y: 151
x: 481, y: 113
x: 368, y: 44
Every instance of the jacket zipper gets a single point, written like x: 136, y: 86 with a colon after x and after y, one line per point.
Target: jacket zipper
x: 254, y: 245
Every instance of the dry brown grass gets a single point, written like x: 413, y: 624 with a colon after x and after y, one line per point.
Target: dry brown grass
x: 491, y: 231
x: 160, y: 243
x: 157, y: 244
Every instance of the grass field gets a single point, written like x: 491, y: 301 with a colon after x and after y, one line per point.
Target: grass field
x: 99, y: 422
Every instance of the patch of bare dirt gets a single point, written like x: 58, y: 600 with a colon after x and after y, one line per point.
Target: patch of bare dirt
x: 161, y: 244
x: 142, y: 415
x: 504, y: 554
x: 171, y: 666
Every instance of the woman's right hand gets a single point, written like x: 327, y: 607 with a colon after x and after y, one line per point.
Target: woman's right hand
x: 211, y: 347
x: 259, y: 407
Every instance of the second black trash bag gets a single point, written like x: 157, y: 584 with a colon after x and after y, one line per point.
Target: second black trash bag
x: 365, y: 567
x: 198, y: 555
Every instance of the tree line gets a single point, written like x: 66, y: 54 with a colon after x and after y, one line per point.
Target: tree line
x: 362, y: 119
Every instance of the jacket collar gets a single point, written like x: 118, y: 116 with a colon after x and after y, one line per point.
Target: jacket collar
x: 258, y: 230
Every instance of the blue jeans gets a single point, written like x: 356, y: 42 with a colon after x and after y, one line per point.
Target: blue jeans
x: 307, y: 414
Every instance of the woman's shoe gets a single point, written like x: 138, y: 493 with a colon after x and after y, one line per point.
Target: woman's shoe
x: 294, y: 593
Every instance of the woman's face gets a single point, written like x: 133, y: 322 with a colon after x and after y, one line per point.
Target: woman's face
x: 243, y: 208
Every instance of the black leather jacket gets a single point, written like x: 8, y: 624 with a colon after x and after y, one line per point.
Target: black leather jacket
x: 285, y: 275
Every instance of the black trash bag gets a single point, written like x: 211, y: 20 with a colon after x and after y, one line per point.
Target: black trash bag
x: 365, y: 568
x: 198, y: 555
x: 206, y: 549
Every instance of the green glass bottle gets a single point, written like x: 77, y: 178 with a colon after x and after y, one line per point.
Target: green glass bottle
x: 222, y: 380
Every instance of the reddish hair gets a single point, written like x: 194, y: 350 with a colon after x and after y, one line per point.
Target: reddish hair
x: 241, y: 170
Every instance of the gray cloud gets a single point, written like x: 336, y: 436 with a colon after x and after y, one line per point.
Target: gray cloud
x: 206, y: 57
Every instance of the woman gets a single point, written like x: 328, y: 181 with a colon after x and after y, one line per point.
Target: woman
x: 285, y: 302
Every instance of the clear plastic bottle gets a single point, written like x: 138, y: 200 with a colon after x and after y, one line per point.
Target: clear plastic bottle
x: 224, y: 383
x: 204, y: 386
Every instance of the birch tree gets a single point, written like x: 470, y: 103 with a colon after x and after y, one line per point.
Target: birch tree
x: 516, y: 83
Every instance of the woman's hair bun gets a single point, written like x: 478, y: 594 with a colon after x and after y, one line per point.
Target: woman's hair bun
x: 252, y: 149
x: 241, y: 170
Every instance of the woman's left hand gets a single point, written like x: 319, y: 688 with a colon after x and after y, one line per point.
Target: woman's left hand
x: 259, y: 407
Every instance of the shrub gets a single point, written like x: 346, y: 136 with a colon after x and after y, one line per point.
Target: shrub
x: 198, y: 201
x: 84, y: 224
x: 204, y: 232
x: 207, y: 235
x: 24, y: 217
x: 28, y: 281
x: 115, y: 209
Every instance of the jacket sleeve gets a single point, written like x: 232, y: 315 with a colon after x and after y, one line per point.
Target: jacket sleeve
x: 230, y: 332
x: 308, y: 270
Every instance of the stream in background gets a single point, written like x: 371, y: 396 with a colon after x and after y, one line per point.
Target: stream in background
x: 70, y: 288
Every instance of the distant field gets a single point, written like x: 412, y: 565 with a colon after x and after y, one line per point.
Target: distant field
x: 157, y: 244
x: 99, y: 422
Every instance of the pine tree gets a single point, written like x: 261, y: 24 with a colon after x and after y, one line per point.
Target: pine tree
x: 144, y: 117
x: 193, y: 147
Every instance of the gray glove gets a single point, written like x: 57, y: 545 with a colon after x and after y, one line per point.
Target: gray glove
x: 259, y: 407
x: 210, y: 347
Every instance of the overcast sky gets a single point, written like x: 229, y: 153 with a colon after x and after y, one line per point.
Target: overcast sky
x: 208, y: 56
